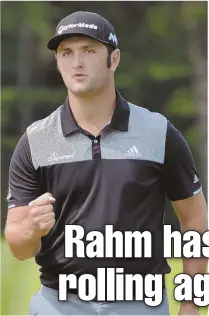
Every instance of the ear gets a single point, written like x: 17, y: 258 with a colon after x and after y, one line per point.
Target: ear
x: 115, y: 59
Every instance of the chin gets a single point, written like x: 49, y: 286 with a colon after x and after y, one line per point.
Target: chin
x: 81, y: 91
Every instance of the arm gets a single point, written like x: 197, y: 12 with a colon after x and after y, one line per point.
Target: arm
x: 192, y: 215
x: 22, y: 243
x: 30, y: 215
x: 23, y: 188
x: 182, y: 187
x: 26, y: 225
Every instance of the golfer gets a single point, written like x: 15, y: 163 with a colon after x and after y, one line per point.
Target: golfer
x: 96, y: 160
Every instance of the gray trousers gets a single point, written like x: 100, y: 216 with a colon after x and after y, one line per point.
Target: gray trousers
x: 45, y: 302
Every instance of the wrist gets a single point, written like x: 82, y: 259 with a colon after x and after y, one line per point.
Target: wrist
x: 33, y: 240
x: 24, y: 242
x: 31, y: 235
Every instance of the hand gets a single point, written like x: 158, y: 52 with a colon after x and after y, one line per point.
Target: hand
x: 188, y: 308
x: 41, y: 217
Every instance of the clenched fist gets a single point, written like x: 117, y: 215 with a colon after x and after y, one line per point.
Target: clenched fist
x: 41, y: 217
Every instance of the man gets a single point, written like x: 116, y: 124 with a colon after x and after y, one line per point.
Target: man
x: 97, y: 160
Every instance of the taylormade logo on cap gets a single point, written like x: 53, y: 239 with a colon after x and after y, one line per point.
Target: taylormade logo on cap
x: 113, y: 38
x: 63, y: 28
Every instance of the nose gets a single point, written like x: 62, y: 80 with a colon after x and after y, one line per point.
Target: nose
x: 78, y: 60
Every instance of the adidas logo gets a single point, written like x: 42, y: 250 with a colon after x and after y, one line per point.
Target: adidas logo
x: 133, y: 152
x: 196, y: 179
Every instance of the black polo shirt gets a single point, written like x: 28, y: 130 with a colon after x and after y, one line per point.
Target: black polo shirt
x: 121, y: 178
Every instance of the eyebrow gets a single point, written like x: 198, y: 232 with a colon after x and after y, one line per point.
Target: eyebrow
x: 89, y: 46
x: 84, y: 47
x: 64, y: 49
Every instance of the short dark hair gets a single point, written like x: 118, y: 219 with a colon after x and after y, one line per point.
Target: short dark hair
x: 110, y: 49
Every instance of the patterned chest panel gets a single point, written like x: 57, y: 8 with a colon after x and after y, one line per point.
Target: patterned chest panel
x: 144, y: 140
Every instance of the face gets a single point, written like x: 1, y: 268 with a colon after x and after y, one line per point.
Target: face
x: 82, y: 63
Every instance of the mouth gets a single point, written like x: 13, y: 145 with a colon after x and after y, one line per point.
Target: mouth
x: 79, y: 75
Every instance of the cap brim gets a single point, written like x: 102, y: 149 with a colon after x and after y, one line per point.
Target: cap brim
x: 54, y: 42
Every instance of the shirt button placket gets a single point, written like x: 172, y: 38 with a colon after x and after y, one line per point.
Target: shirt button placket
x: 96, y: 150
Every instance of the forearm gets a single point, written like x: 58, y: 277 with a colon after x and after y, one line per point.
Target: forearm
x: 22, y: 242
x: 193, y: 266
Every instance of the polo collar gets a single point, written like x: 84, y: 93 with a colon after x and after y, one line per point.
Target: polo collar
x: 119, y: 121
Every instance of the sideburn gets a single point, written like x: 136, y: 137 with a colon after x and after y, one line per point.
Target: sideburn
x: 110, y: 49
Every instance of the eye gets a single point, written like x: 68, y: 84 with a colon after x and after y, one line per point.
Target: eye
x: 66, y: 53
x: 90, y: 51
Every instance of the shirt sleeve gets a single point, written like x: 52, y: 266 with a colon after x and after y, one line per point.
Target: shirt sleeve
x: 180, y: 177
x: 23, y: 183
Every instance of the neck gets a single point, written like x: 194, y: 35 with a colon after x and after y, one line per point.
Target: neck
x: 93, y: 113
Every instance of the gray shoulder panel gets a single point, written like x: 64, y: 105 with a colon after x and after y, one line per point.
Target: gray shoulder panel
x: 151, y: 128
x: 144, y: 140
x: 41, y: 136
x: 49, y: 146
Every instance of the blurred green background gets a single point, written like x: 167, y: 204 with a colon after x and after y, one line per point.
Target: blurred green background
x: 163, y: 68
